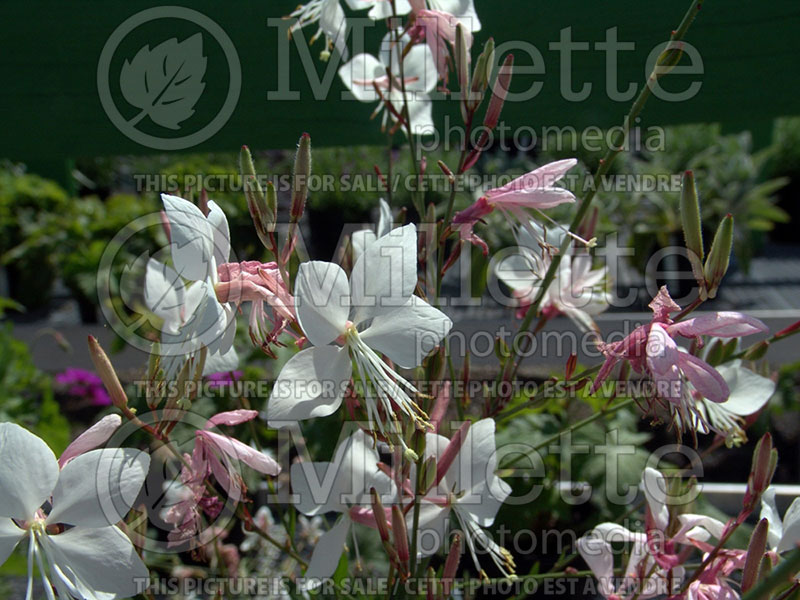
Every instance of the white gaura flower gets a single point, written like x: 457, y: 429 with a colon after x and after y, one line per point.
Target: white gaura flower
x: 192, y: 316
x: 578, y: 291
x: 749, y: 393
x: 364, y: 237
x: 341, y: 486
x: 351, y: 323
x: 332, y: 23
x: 783, y: 534
x: 466, y: 486
x: 77, y: 546
x: 364, y: 73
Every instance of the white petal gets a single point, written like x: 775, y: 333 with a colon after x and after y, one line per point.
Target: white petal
x: 474, y: 471
x: 101, y: 560
x: 328, y: 551
x: 313, y: 484
x: 518, y: 270
x: 464, y: 10
x: 28, y: 472
x: 192, y: 238
x: 334, y: 24
x: 209, y: 324
x: 385, y: 218
x: 381, y: 9
x: 654, y: 487
x: 220, y: 362
x: 599, y: 556
x: 311, y: 384
x: 433, y: 522
x: 698, y: 527
x: 420, y: 112
x: 358, y: 75
x: 769, y: 511
x: 358, y: 471
x: 419, y: 67
x: 791, y: 527
x: 384, y: 277
x: 222, y: 233
x: 360, y: 240
x: 345, y: 481
x: 97, y: 488
x: 408, y: 334
x: 164, y: 294
x: 749, y: 391
x: 10, y: 535
x: 322, y: 298
x: 615, y: 533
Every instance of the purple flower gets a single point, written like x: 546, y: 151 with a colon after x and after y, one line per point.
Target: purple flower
x: 223, y: 378
x: 84, y: 384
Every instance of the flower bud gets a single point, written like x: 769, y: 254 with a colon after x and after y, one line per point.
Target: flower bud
x: 499, y: 93
x: 755, y: 552
x: 107, y: 374
x: 440, y: 404
x: 719, y: 256
x: 451, y: 565
x: 483, y: 69
x: 692, y: 228
x: 428, y: 475
x: 302, y: 172
x: 263, y: 208
x: 380, y: 515
x: 765, y: 459
x: 400, y: 534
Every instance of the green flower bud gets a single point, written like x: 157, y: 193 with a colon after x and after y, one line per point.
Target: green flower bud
x: 719, y: 256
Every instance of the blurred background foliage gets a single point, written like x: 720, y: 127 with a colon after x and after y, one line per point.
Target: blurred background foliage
x: 47, y: 234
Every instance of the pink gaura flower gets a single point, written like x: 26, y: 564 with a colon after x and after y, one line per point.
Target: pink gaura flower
x: 651, y: 350
x: 535, y: 190
x: 213, y: 454
x: 260, y: 284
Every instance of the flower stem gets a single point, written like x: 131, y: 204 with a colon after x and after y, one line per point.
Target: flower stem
x: 605, y: 164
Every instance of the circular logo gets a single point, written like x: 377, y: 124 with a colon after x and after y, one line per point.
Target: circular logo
x: 161, y: 58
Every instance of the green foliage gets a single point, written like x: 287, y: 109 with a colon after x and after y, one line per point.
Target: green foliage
x: 31, y: 209
x: 26, y: 394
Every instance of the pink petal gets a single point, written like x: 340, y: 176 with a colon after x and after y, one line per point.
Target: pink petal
x: 232, y: 417
x: 662, y: 351
x: 97, y: 435
x: 535, y: 198
x: 239, y: 451
x: 543, y: 177
x: 705, y: 378
x: 663, y: 304
x: 719, y: 324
